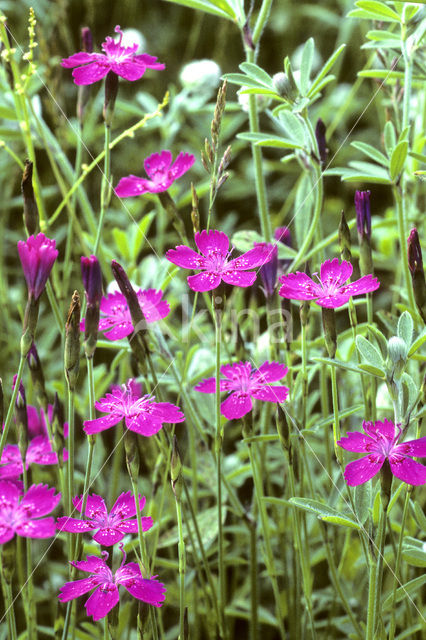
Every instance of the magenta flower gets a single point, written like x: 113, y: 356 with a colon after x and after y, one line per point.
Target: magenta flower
x: 330, y: 290
x: 91, y: 275
x: 105, y: 583
x: 381, y: 442
x: 161, y: 174
x: 123, y: 61
x: 37, y: 255
x: 116, y: 320
x: 111, y: 527
x: 23, y: 514
x: 140, y: 413
x: 39, y: 452
x: 37, y: 422
x: 214, y: 261
x: 246, y: 383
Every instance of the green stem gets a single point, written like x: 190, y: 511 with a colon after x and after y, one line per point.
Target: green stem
x: 70, y: 467
x: 261, y: 20
x: 182, y: 569
x: 304, y: 373
x: 254, y: 592
x: 12, y: 405
x: 218, y: 453
x: 269, y: 556
x: 29, y: 595
x: 105, y: 187
x: 398, y: 563
x: 375, y: 579
x: 400, y: 210
x: 9, y: 607
x: 336, y: 422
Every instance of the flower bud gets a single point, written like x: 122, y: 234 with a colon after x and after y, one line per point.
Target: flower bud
x: 111, y: 90
x: 398, y: 352
x: 21, y: 419
x: 386, y: 477
x: 283, y: 235
x: 58, y: 428
x: 415, y: 264
x: 321, y: 142
x: 72, y: 342
x: 344, y: 236
x: 31, y: 217
x: 37, y: 376
x: 363, y: 224
x: 268, y: 270
x: 92, y: 281
x: 176, y: 471
x: 284, y: 87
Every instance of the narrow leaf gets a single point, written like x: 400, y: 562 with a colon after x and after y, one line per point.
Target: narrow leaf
x: 406, y: 590
x: 389, y: 137
x: 371, y: 152
x: 397, y: 160
x: 306, y: 65
x: 208, y: 7
x: 380, y: 10
x: 326, y: 68
x: 369, y: 352
x: 405, y: 328
x: 257, y: 73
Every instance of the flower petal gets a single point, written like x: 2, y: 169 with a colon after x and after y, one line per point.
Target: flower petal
x: 183, y: 162
x: 186, y: 257
x: 94, y: 564
x: 129, y: 70
x: 148, y: 590
x: 205, y: 281
x: 39, y: 501
x: 90, y: 73
x: 261, y: 254
x: 108, y: 536
x: 40, y: 528
x: 363, y: 285
x: 6, y: 533
x: 416, y: 448
x: 153, y: 307
x: 102, y: 600
x: 333, y: 272
x: 131, y: 186
x: 212, y: 241
x: 125, y: 505
x: 73, y: 525
x: 158, y: 164
x: 71, y: 590
x: 95, y: 506
x: 299, y: 286
x: 236, y: 406
x: 100, y: 424
x: 270, y: 372
x: 408, y: 470
x: 271, y: 393
x: 239, y: 278
x: 77, y: 59
x: 356, y: 441
x: 360, y: 471
x: 143, y: 424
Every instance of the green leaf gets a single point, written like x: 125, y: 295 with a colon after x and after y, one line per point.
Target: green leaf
x: 371, y: 152
x: 326, y: 513
x: 412, y: 388
x: 389, y: 137
x: 293, y: 127
x: 243, y: 80
x: 381, y: 10
x: 369, y: 169
x: 418, y: 342
x: 414, y: 556
x: 378, y: 35
x: 243, y: 241
x: 258, y: 74
x: 363, y: 495
x: 325, y: 69
x: 121, y: 242
x: 406, y: 590
x: 405, y: 328
x: 374, y: 371
x: 306, y: 65
x: 336, y: 363
x: 269, y: 140
x: 419, y: 515
x: 370, y: 353
x: 397, y: 161
x: 217, y: 8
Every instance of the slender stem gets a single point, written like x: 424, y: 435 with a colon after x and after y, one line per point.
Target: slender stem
x: 70, y: 468
x: 105, y: 187
x: 254, y: 592
x: 304, y: 373
x: 336, y: 422
x: 29, y: 595
x: 375, y: 580
x: 8, y: 605
x: 182, y: 569
x: 12, y: 405
x: 269, y: 556
x: 261, y: 20
x: 218, y: 453
x: 398, y: 564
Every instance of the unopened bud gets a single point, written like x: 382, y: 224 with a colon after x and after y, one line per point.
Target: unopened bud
x: 92, y: 281
x: 415, y: 264
x: 268, y: 270
x: 58, y: 428
x: 37, y: 376
x: 321, y: 142
x: 31, y: 217
x: 72, y: 342
x: 111, y: 90
x: 30, y: 324
x: 283, y: 429
x: 83, y: 93
x: 21, y: 419
x: 363, y: 224
x: 398, y: 352
x: 386, y: 478
x: 176, y: 471
x: 195, y: 214
x: 344, y: 236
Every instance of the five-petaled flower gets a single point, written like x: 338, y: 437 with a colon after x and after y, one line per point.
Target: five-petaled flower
x: 39, y: 452
x: 37, y: 255
x: 215, y: 264
x: 105, y: 583
x: 330, y: 291
x: 116, y: 320
x: 246, y: 383
x: 380, y: 442
x: 161, y: 174
x: 23, y: 514
x: 141, y: 413
x: 91, y: 67
x: 111, y: 527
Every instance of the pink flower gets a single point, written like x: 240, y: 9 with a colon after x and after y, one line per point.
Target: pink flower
x: 246, y: 383
x: 37, y: 255
x: 160, y: 171
x: 23, y: 514
x: 141, y: 414
x: 330, y: 290
x: 123, y: 61
x: 39, y: 452
x: 116, y: 320
x: 105, y: 583
x: 215, y: 264
x: 37, y: 422
x: 112, y: 527
x: 381, y: 442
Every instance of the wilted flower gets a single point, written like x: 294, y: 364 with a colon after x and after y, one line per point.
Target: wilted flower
x: 110, y: 527
x: 245, y: 384
x: 123, y: 61
x: 105, y: 583
x: 380, y: 442
x: 140, y: 413
x: 214, y: 261
x: 330, y: 290
x: 160, y: 171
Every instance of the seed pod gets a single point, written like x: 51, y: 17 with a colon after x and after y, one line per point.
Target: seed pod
x: 72, y: 342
